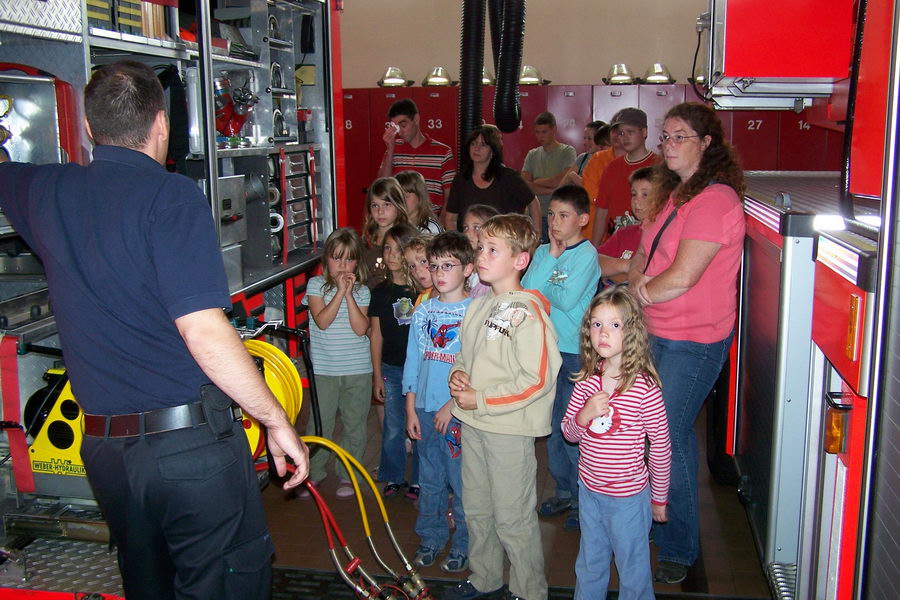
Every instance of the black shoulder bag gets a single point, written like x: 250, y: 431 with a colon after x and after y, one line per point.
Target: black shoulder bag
x: 658, y: 236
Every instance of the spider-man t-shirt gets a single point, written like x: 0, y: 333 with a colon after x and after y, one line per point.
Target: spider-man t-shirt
x: 431, y: 351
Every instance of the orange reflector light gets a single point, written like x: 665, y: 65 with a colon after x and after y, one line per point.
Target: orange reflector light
x: 836, y: 420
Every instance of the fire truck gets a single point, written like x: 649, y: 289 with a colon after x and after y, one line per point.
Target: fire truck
x: 808, y: 408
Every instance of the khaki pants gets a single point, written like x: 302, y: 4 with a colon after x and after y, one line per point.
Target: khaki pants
x: 499, y: 496
x: 352, y: 396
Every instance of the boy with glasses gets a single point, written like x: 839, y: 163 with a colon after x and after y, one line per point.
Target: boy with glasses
x: 614, y: 195
x: 434, y: 341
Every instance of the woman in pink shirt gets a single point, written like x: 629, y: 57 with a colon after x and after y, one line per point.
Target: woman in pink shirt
x: 688, y: 285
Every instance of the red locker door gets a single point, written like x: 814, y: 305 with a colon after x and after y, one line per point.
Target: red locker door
x: 357, y: 139
x: 438, y: 112
x: 380, y: 100
x: 533, y: 99
x: 487, y: 103
x: 609, y: 99
x: 834, y: 150
x: 656, y: 100
x: 801, y: 146
x: 572, y: 107
x: 754, y: 134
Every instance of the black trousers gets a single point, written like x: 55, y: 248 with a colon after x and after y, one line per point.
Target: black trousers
x: 185, y: 512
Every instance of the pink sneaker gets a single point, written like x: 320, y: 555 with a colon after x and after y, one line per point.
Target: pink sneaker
x: 345, y: 489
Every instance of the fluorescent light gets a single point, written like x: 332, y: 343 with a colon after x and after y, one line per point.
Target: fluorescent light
x: 829, y: 223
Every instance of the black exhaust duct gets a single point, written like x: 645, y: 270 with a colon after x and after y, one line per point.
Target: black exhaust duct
x: 507, y: 112
x: 471, y: 61
x: 507, y: 22
x: 495, y: 22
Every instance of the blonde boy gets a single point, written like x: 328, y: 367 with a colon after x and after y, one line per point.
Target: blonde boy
x: 503, y: 384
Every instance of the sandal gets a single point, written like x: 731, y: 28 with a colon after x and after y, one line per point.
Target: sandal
x: 554, y: 506
x: 392, y: 489
x: 412, y: 493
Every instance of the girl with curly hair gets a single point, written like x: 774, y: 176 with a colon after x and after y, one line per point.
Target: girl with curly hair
x: 615, y: 407
x: 685, y: 275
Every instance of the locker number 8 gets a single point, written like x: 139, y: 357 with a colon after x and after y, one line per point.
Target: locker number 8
x: 435, y: 124
x: 348, y: 124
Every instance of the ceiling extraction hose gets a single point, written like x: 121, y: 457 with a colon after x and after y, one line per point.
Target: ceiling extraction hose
x: 507, y: 111
x: 284, y: 381
x: 471, y: 61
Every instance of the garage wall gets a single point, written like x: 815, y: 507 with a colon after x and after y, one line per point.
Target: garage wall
x: 569, y: 41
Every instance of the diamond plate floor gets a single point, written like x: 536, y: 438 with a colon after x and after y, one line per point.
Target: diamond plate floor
x: 88, y: 567
x: 69, y: 566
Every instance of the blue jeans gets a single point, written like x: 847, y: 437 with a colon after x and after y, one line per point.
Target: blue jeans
x: 563, y: 456
x: 688, y: 371
x: 614, y: 526
x: 441, y: 459
x: 393, y: 437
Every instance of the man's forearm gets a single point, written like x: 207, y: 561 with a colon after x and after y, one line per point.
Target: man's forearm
x: 386, y: 165
x: 219, y: 352
x: 449, y: 219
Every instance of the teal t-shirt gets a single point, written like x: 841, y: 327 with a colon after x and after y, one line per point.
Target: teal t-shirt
x: 569, y: 283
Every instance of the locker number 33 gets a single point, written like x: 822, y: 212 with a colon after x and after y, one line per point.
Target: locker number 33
x: 435, y: 124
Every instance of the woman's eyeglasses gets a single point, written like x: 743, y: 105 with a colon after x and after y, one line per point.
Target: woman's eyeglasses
x: 676, y: 139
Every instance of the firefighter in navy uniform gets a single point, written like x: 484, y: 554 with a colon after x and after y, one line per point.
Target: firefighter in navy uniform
x: 138, y: 286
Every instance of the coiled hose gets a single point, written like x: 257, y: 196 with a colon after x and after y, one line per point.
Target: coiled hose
x: 284, y: 381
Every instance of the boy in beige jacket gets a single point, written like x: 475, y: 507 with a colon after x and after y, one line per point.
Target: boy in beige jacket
x: 503, y: 384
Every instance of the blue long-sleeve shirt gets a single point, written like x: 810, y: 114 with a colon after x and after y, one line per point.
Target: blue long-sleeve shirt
x: 434, y: 341
x: 568, y: 282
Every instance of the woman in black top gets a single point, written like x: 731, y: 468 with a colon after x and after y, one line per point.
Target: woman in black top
x: 482, y: 178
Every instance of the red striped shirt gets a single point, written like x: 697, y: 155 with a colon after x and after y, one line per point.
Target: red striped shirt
x: 613, y: 463
x: 434, y: 160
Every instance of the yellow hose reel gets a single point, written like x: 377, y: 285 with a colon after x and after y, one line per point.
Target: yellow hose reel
x: 56, y: 446
x: 284, y: 381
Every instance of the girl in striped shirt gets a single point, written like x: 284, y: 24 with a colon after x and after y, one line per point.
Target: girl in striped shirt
x: 615, y: 407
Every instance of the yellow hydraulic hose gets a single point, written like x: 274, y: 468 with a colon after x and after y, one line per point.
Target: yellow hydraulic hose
x: 345, y: 456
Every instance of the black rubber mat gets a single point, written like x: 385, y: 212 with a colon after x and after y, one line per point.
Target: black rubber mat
x: 306, y: 584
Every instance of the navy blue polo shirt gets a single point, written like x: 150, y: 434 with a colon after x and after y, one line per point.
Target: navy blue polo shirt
x: 127, y: 248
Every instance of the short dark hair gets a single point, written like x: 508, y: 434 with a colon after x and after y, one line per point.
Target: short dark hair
x: 574, y: 195
x: 642, y: 174
x: 545, y: 118
x: 121, y: 101
x: 595, y: 125
x: 601, y: 137
x: 405, y: 107
x: 451, y: 243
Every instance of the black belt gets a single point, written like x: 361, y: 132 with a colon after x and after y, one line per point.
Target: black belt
x: 152, y: 421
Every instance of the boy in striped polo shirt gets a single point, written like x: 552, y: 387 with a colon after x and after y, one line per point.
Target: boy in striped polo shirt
x: 408, y: 149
